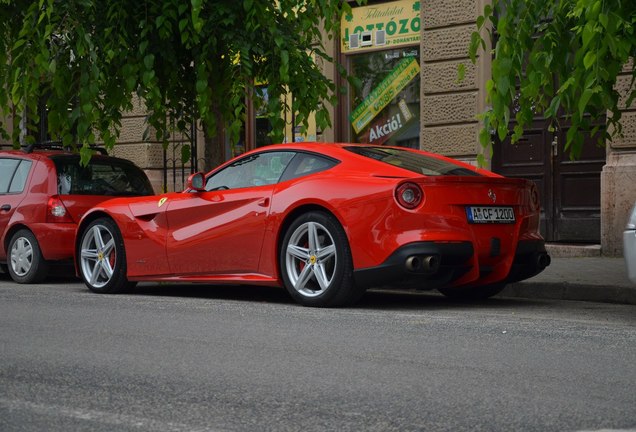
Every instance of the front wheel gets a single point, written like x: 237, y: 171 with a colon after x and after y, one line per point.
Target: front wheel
x: 102, y: 258
x: 473, y: 292
x: 26, y: 265
x: 316, y: 263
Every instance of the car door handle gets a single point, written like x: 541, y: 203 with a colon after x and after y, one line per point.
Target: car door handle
x: 264, y: 202
x: 5, y: 207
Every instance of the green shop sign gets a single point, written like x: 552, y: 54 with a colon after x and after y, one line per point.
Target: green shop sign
x: 398, y: 21
x: 384, y: 93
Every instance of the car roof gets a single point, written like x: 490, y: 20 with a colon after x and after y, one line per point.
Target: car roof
x: 55, y: 153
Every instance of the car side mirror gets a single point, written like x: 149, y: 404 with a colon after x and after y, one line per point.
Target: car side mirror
x: 196, y: 182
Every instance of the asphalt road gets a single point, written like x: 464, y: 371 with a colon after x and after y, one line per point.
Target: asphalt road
x: 197, y: 358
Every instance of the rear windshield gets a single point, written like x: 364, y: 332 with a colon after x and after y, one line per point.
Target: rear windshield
x: 101, y: 177
x: 415, y: 162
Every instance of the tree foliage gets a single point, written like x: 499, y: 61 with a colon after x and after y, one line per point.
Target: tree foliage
x: 186, y: 59
x: 559, y: 59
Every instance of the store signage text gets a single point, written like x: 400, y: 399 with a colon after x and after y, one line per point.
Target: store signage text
x: 405, y: 71
x: 400, y: 20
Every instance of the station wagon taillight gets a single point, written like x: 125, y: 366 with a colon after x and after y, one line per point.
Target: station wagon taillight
x: 56, y: 211
x: 409, y: 195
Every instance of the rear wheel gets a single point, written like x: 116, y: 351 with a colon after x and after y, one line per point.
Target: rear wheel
x: 474, y: 292
x: 316, y: 263
x: 102, y: 258
x: 26, y: 264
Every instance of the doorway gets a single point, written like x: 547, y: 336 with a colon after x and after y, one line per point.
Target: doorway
x: 570, y: 189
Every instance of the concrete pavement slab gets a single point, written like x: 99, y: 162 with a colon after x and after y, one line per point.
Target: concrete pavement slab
x: 600, y: 279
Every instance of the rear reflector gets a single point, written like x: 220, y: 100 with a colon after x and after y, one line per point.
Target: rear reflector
x: 409, y: 195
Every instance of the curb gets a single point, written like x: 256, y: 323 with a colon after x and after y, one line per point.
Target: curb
x: 569, y: 291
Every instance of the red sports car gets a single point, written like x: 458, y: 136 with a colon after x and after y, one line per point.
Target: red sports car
x: 327, y: 221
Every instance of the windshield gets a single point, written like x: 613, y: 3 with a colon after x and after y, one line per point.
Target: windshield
x: 415, y: 162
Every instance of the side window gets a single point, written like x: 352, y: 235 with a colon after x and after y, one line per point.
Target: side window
x: 7, y: 170
x: 20, y: 177
x: 307, y: 163
x: 255, y: 170
x: 100, y: 177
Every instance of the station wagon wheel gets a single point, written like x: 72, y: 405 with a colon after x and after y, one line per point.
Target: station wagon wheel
x: 102, y: 258
x: 25, y: 263
x: 316, y: 264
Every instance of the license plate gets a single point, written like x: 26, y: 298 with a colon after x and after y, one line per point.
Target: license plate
x: 490, y: 214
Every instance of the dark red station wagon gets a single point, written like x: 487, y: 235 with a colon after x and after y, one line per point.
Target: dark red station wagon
x: 43, y: 194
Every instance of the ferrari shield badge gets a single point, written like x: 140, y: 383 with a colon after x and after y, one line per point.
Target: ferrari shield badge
x: 162, y: 201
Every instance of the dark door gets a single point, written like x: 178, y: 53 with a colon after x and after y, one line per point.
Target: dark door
x: 570, y: 189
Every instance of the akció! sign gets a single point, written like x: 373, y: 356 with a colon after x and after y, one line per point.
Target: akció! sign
x: 387, y: 125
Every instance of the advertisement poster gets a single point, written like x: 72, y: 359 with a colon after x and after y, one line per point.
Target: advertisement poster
x: 384, y: 94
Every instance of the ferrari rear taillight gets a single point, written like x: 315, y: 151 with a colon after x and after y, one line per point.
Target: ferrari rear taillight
x: 56, y: 211
x: 409, y: 195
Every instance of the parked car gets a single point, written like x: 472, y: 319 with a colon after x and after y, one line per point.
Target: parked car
x: 44, y: 191
x: 629, y: 245
x: 326, y: 221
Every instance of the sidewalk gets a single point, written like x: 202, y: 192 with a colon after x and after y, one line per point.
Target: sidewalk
x: 588, y: 278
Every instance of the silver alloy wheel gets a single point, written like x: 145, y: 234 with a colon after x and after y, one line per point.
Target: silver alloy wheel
x: 98, y: 256
x: 21, y: 256
x: 311, y: 259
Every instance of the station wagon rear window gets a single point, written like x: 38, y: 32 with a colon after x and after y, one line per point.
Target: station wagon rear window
x: 100, y: 177
x: 415, y: 162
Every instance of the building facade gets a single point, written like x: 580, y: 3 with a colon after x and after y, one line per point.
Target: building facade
x: 585, y: 201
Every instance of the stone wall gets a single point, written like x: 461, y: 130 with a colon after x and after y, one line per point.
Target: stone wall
x: 141, y: 147
x: 448, y: 107
x: 618, y: 179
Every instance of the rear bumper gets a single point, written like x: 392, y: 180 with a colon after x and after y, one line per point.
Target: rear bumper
x: 531, y: 258
x: 431, y: 265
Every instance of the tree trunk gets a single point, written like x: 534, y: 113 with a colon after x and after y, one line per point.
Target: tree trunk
x: 214, y: 142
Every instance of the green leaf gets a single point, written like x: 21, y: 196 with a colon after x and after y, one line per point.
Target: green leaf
x: 284, y: 66
x: 475, y: 43
x: 503, y: 85
x: 554, y: 107
x: 589, y: 59
x: 185, y: 153
x: 585, y: 97
x: 461, y: 73
x: 149, y: 61
x: 588, y: 34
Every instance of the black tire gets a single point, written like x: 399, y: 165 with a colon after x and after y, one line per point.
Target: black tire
x: 25, y: 262
x: 102, y: 258
x: 473, y: 292
x: 316, y: 264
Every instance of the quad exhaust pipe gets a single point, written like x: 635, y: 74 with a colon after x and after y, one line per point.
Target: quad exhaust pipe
x: 423, y: 263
